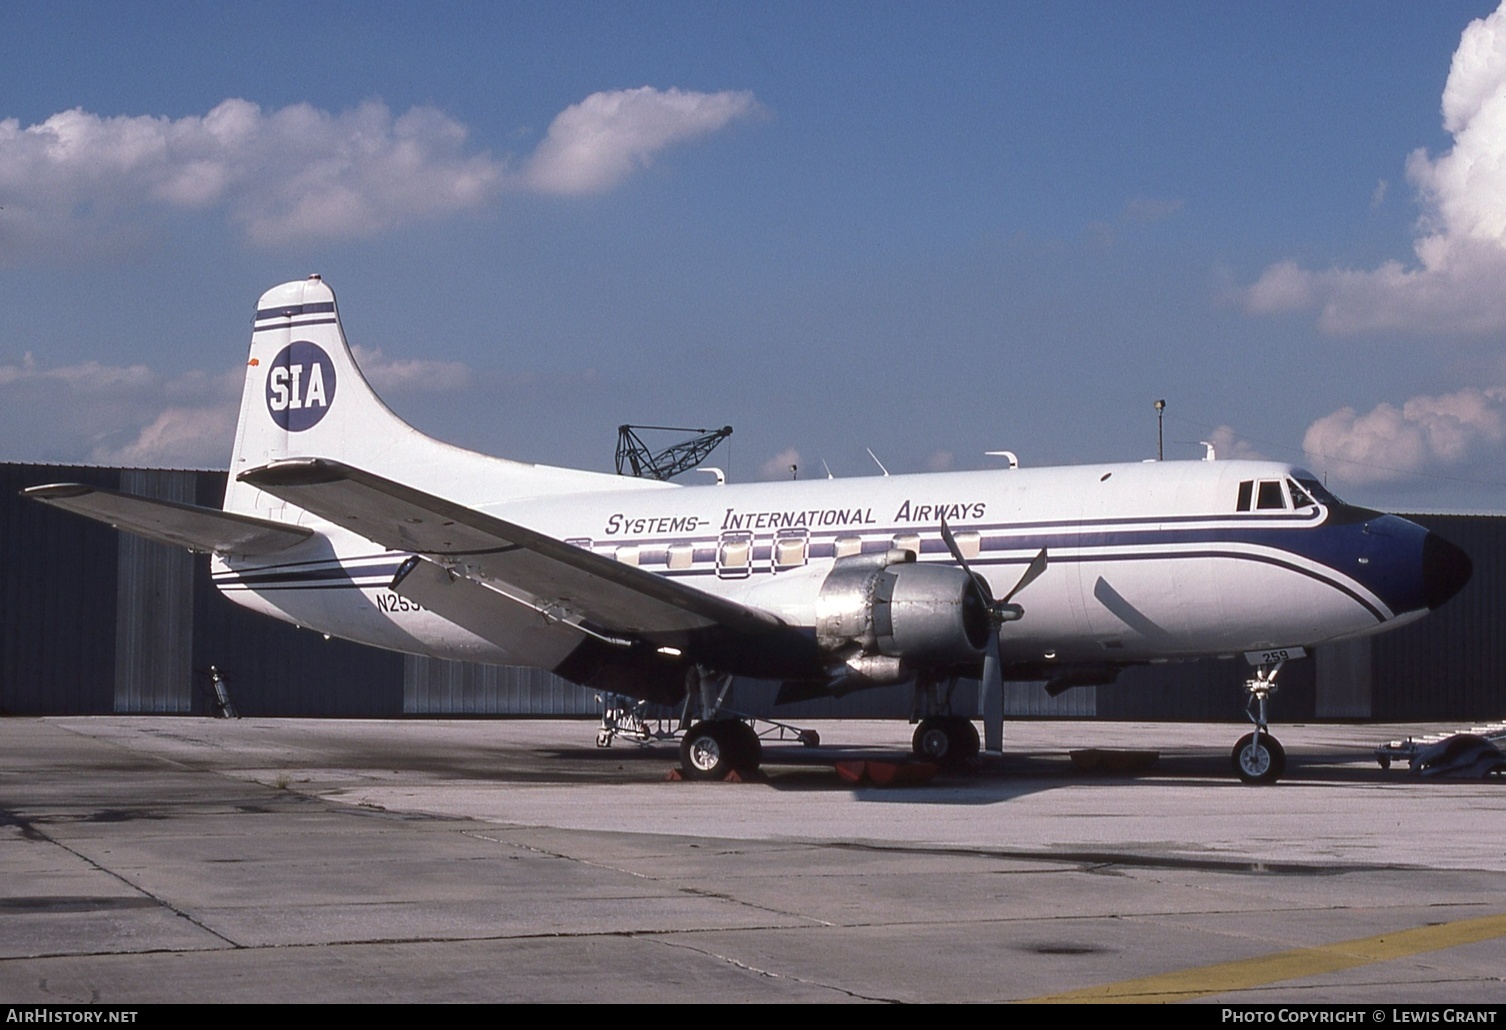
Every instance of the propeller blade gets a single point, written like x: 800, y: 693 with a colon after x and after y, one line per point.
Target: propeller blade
x: 1032, y: 573
x: 984, y: 594
x: 991, y: 695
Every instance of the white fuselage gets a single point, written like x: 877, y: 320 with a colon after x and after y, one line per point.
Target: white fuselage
x: 1145, y: 561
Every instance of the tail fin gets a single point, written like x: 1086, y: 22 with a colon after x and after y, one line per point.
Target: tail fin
x: 306, y: 397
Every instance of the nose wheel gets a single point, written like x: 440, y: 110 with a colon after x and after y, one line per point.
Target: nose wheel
x: 1258, y: 757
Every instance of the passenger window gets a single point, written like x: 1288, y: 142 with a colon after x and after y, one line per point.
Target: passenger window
x: 908, y: 542
x: 790, y: 548
x: 846, y: 545
x: 734, y: 556
x: 680, y: 556
x: 969, y: 542
x: 1270, y: 495
x: 1246, y: 492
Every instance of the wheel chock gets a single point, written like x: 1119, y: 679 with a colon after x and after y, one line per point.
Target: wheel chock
x: 886, y: 774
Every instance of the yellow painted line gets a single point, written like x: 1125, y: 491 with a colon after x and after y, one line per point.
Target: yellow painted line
x: 1187, y: 984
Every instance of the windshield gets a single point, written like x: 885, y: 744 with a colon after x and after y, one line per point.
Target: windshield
x: 1316, y: 489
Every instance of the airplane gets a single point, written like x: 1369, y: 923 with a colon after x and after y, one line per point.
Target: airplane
x: 341, y: 517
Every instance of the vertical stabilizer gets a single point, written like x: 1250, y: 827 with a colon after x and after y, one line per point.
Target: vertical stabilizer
x: 306, y: 397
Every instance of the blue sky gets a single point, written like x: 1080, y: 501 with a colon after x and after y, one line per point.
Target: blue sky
x: 932, y: 231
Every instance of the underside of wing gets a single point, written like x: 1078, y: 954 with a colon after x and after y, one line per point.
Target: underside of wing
x: 170, y: 522
x: 613, y: 602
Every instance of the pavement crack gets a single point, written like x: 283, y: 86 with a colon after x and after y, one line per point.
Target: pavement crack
x: 768, y: 973
x: 693, y: 891
x: 30, y: 831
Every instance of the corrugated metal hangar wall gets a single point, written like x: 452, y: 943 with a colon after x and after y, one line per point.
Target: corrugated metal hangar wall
x: 93, y: 621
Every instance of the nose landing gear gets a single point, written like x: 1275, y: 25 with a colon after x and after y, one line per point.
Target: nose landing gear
x: 1258, y: 757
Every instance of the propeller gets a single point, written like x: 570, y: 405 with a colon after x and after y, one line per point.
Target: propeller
x: 999, y: 612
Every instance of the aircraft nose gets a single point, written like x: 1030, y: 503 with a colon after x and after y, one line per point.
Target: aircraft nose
x: 1445, y: 569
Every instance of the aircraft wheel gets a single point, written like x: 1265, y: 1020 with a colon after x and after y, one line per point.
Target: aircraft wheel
x: 965, y: 737
x: 711, y: 750
x: 945, y: 740
x: 1259, y: 763
x: 706, y: 751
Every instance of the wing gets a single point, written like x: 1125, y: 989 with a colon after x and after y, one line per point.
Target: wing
x: 169, y: 522
x: 564, y: 583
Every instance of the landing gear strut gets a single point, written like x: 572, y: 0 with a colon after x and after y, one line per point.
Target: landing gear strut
x: 950, y: 741
x: 1259, y: 757
x: 716, y: 745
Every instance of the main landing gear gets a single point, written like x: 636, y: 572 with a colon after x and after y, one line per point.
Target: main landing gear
x: 950, y: 741
x: 714, y: 749
x: 1259, y: 757
x: 717, y: 745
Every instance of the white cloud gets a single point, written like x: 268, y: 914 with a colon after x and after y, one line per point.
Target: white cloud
x: 118, y: 414
x: 409, y: 375
x: 1228, y: 446
x: 941, y: 461
x: 778, y: 467
x: 1454, y: 285
x: 593, y: 145
x: 294, y: 173
x: 300, y: 173
x: 1390, y: 443
x: 178, y: 437
x: 135, y: 415
x: 1149, y: 210
x: 88, y: 377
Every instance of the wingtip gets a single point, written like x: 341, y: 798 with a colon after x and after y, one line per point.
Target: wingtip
x: 56, y: 491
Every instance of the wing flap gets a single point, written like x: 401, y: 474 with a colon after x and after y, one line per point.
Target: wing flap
x: 171, y: 522
x: 563, y: 582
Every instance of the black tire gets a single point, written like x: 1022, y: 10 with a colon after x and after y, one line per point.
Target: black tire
x: 712, y: 750
x: 965, y: 739
x: 1256, y: 765
x: 747, y: 749
x: 948, y: 741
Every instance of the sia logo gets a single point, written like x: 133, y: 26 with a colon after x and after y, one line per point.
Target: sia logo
x: 300, y: 386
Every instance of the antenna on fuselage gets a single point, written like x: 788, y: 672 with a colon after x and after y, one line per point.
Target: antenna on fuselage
x: 828, y: 469
x: 1210, y: 456
x: 880, y: 464
x: 1009, y: 456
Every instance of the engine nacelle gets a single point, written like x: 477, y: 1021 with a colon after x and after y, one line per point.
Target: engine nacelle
x: 888, y: 604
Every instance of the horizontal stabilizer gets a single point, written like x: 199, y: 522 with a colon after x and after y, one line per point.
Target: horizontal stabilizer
x: 563, y: 582
x: 169, y: 522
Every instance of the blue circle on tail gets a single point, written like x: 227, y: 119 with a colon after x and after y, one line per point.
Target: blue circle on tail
x: 300, y: 386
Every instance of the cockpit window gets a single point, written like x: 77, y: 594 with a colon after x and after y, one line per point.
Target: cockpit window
x: 1316, y: 489
x: 1246, y: 492
x: 1271, y: 495
x: 1299, y: 496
